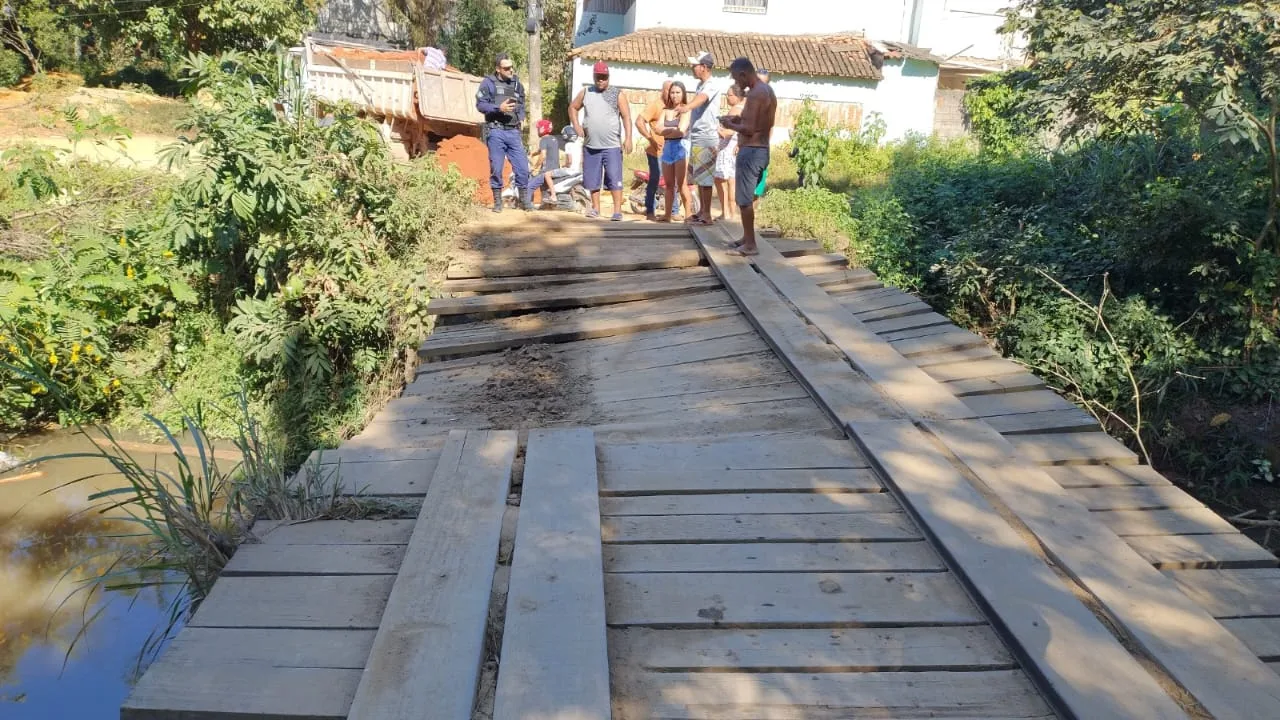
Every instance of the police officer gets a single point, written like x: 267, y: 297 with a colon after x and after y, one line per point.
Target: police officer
x: 501, y: 100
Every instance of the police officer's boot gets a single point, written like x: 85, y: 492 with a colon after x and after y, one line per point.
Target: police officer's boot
x: 526, y: 200
x: 497, y: 200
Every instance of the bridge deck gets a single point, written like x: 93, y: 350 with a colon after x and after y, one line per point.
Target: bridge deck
x: 660, y: 481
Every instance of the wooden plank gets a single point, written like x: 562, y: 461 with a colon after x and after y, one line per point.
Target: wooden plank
x: 1220, y: 672
x: 815, y: 363
x: 673, y: 600
x: 957, y: 356
x: 334, y: 532
x: 315, y: 560
x: 897, y: 311
x: 743, y: 399
x: 1135, y: 497
x: 555, y: 661
x: 529, y: 282
x: 972, y: 368
x: 992, y: 695
x: 650, y: 482
x: 630, y: 259
x: 585, y: 295
x: 1048, y: 421
x: 853, y: 527
x: 866, y: 301
x: 1016, y: 382
x: 938, y: 344
x: 220, y: 671
x: 567, y: 328
x: 809, y: 651
x: 351, y: 453
x: 747, y: 504
x: 1083, y: 448
x: 1232, y: 593
x: 815, y: 452
x: 908, y: 322
x: 394, y: 478
x: 1059, y: 638
x: 1018, y: 402
x: 825, y: 261
x: 1262, y: 635
x: 1073, y: 476
x: 1174, y: 521
x: 773, y: 557
x: 425, y: 661
x: 320, y: 602
x: 896, y: 377
x: 791, y: 247
x: 843, y: 278
x: 1188, y: 552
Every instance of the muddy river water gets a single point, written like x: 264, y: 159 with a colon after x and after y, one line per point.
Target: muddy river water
x: 68, y: 649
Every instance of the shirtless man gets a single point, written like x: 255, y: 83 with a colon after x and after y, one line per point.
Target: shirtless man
x: 754, y: 126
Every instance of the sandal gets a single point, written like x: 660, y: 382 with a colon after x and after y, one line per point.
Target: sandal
x: 617, y: 217
x: 741, y: 252
x: 593, y: 213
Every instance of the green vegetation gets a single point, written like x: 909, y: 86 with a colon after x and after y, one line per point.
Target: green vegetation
x: 289, y: 254
x: 1134, y: 262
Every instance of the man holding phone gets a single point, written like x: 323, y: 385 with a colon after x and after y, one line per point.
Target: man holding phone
x: 501, y: 100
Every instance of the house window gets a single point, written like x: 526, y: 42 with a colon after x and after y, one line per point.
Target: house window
x: 758, y: 7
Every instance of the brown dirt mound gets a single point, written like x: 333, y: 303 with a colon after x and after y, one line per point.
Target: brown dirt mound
x: 472, y: 159
x: 530, y: 387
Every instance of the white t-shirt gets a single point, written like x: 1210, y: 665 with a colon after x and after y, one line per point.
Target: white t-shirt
x: 574, y: 151
x: 704, y: 125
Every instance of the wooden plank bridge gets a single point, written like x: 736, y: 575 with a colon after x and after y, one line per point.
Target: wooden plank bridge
x: 658, y: 481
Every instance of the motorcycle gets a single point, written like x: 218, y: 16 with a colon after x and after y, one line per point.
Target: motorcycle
x: 570, y: 195
x: 640, y: 184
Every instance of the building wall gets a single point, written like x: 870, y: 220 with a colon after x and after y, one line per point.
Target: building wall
x: 360, y: 20
x: 948, y: 114
x: 967, y: 27
x: 904, y: 98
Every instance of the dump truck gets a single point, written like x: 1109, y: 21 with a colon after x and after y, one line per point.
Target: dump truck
x: 415, y: 106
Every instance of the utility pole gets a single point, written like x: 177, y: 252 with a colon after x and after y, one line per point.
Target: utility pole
x: 533, y: 26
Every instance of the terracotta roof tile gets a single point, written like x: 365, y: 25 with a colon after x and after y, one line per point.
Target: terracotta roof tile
x: 843, y: 55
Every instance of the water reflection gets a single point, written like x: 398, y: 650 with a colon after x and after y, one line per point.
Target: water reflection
x: 67, y: 647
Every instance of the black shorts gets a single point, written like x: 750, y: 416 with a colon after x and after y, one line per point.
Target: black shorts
x: 752, y: 162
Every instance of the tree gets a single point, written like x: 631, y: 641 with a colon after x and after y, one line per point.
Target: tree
x: 427, y: 19
x: 480, y: 29
x: 1106, y: 67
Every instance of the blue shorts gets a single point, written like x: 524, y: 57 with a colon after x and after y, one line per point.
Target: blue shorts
x: 598, y: 162
x: 673, y: 151
x: 752, y: 163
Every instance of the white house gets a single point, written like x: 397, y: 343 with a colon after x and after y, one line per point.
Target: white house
x: 852, y: 57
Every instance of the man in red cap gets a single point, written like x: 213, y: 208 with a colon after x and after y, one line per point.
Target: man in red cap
x: 607, y: 120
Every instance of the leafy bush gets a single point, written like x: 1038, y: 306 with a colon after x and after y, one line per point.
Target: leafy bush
x: 810, y: 139
x: 12, y: 68
x: 808, y: 212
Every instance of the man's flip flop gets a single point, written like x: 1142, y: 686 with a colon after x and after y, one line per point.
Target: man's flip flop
x: 740, y: 252
x: 617, y: 217
x: 593, y: 213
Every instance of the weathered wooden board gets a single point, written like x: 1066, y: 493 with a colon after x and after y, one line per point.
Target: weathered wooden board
x: 1220, y: 672
x: 1018, y: 402
x: 897, y: 311
x: 866, y: 301
x: 895, y: 376
x: 854, y: 527
x: 425, y: 661
x: 529, y: 282
x: 790, y: 247
x: 814, y: 262
x: 744, y: 399
x: 1074, y: 476
x: 1015, y: 382
x: 1187, y: 552
x: 220, y: 671
x: 1262, y: 635
x: 321, y: 602
x: 918, y: 649
x: 918, y: 332
x: 938, y: 344
x: 1047, y: 421
x: 1174, y: 521
x: 566, y: 296
x: 844, y: 279
x: 671, y: 600
x: 774, y: 557
x: 660, y: 482
x: 260, y: 559
x: 814, y: 452
x: 393, y: 478
x: 1083, y: 663
x: 967, y: 355
x: 1232, y: 593
x: 988, y: 366
x: 334, y: 532
x: 567, y: 326
x: 634, y: 258
x: 554, y: 651
x: 1134, y: 497
x: 819, y: 367
x: 1081, y: 448
x: 749, y: 504
x: 908, y: 322
x: 992, y: 695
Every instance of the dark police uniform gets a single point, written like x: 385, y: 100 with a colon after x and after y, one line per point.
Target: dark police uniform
x: 503, y: 136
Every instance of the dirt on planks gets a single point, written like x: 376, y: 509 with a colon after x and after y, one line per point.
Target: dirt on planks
x: 531, y: 386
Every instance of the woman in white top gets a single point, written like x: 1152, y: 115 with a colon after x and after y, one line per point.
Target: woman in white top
x: 727, y: 157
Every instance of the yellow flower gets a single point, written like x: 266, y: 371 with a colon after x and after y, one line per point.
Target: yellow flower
x: 13, y: 348
x: 168, y: 253
x: 75, y: 357
x: 128, y: 271
x: 115, y: 383
x: 122, y: 242
x: 37, y: 389
x: 75, y: 348
x: 89, y: 349
x: 53, y: 359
